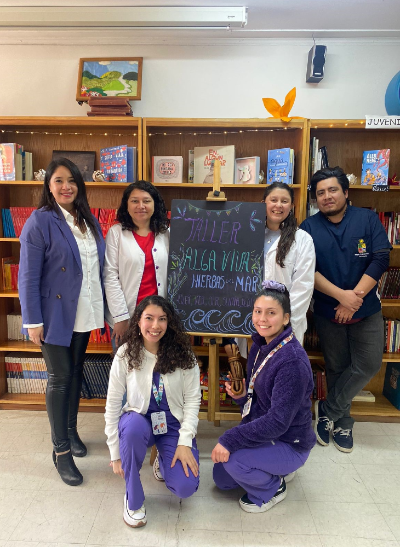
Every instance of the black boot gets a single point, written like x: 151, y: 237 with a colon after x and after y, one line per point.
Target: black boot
x: 78, y: 449
x: 67, y: 469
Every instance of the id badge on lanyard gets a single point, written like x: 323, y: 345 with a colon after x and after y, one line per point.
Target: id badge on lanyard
x: 247, y: 406
x: 159, y: 419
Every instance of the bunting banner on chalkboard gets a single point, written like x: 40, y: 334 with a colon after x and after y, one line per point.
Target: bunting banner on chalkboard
x: 216, y: 264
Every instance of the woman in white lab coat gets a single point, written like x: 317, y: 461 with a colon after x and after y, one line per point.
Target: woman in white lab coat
x: 289, y: 257
x: 289, y: 254
x: 136, y: 255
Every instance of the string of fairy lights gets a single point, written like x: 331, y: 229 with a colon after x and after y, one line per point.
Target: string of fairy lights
x: 150, y: 134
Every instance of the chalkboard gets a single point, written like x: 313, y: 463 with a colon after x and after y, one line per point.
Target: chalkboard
x: 216, y: 264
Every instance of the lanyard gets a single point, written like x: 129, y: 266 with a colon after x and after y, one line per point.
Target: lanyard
x: 158, y: 393
x: 268, y: 357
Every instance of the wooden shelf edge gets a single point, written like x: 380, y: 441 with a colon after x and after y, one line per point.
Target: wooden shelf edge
x: 20, y: 345
x: 386, y: 357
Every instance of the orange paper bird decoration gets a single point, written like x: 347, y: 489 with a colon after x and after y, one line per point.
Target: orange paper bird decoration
x: 279, y: 111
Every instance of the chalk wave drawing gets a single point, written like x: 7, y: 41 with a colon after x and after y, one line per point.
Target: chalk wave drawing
x: 211, y: 321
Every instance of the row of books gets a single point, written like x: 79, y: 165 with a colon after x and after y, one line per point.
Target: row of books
x: 118, y: 163
x: 14, y: 326
x: 391, y: 223
x: 14, y: 219
x: 320, y: 390
x: 389, y: 283
x: 318, y: 157
x: 374, y: 168
x: 96, y: 372
x: 106, y: 218
x: 15, y: 162
x: 97, y: 338
x: 27, y: 374
x: 392, y: 335
x: 280, y: 166
x: 10, y: 273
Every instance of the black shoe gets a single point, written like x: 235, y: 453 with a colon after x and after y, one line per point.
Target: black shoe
x: 247, y: 505
x: 67, y: 469
x: 78, y: 449
x: 54, y: 459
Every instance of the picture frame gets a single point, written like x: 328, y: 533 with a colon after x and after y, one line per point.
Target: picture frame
x: 83, y: 160
x: 93, y: 83
x: 247, y: 170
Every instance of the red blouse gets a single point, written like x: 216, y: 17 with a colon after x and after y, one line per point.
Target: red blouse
x: 148, y: 285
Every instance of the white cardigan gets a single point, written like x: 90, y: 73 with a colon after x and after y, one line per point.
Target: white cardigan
x: 123, y: 271
x: 297, y: 275
x: 181, y: 387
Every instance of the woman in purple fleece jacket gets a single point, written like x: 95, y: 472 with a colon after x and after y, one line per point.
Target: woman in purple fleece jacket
x: 275, y: 436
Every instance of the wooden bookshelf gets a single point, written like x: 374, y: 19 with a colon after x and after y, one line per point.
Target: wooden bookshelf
x: 251, y: 137
x: 42, y: 135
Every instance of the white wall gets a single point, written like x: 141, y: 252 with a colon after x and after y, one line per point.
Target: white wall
x: 207, y: 81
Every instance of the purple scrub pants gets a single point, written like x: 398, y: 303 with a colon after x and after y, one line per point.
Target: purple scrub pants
x: 258, y: 470
x: 135, y: 436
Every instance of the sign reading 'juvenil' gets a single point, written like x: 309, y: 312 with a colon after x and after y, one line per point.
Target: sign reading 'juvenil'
x: 216, y: 263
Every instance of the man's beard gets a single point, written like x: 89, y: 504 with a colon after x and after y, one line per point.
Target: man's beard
x: 336, y: 211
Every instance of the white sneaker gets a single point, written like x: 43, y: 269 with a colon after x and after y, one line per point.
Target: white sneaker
x: 289, y: 477
x: 156, y: 470
x: 134, y: 519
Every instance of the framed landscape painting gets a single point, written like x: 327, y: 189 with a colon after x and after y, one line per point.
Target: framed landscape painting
x: 110, y: 77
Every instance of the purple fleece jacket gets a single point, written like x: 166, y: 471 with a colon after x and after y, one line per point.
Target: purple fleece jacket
x: 281, y: 406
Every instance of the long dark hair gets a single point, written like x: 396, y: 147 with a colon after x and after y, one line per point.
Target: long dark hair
x: 159, y: 221
x: 283, y: 298
x: 81, y: 204
x: 174, y: 350
x: 288, y: 226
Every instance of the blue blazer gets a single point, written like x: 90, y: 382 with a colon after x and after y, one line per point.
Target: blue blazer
x: 50, y: 275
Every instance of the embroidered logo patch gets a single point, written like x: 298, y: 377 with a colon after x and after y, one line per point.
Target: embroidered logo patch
x: 361, y: 246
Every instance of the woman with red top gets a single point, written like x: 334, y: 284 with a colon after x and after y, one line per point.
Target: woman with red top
x: 136, y: 255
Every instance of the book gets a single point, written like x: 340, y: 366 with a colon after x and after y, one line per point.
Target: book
x: 191, y: 166
x: 247, y: 170
x: 280, y: 166
x: 364, y: 396
x: 118, y: 163
x: 375, y: 167
x: 204, y: 157
x: 8, y: 151
x: 166, y: 168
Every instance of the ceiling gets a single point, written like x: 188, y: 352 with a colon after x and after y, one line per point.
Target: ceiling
x: 267, y: 19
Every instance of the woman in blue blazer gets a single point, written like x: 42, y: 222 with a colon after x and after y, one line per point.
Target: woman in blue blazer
x: 62, y: 299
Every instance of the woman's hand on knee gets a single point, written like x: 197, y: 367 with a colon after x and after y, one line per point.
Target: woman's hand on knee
x: 185, y: 455
x: 220, y: 454
x: 117, y: 468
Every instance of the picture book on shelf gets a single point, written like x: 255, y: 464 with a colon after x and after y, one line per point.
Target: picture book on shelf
x: 375, y: 167
x: 204, y: 157
x: 247, y: 170
x: 166, y: 168
x: 280, y: 165
x: 118, y: 163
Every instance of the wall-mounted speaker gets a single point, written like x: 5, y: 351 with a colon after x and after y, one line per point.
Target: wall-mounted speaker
x: 315, y: 65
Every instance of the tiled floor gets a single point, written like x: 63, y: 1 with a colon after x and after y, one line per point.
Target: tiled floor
x: 336, y: 499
